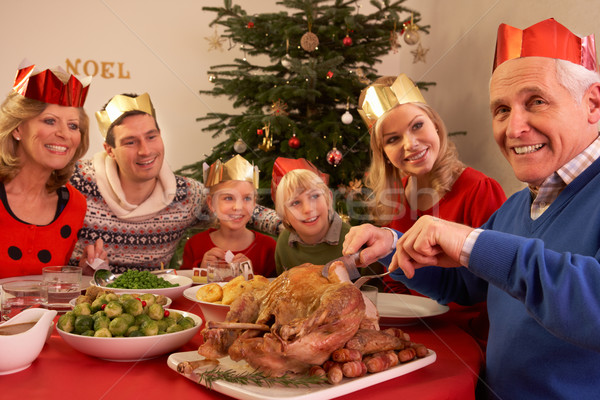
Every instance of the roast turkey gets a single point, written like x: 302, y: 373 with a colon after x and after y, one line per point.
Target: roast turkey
x: 297, y: 322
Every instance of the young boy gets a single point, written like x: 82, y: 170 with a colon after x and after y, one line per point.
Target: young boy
x: 314, y: 232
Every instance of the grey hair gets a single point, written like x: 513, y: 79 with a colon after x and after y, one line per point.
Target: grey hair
x: 575, y: 78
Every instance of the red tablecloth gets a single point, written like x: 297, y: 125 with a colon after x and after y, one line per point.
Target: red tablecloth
x: 60, y: 372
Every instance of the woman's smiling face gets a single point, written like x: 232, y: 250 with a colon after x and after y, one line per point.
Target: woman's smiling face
x: 410, y: 139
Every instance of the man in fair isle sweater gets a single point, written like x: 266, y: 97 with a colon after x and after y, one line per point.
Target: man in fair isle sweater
x: 135, y: 204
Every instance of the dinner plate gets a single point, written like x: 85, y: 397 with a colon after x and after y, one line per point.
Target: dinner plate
x: 85, y: 279
x: 167, y: 304
x: 311, y: 392
x: 190, y: 274
x: 405, y: 309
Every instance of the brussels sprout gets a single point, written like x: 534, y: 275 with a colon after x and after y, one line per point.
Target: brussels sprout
x: 130, y: 319
x: 131, y: 329
x: 169, y: 320
x: 156, y: 311
x: 118, y: 326
x: 103, y: 332
x: 149, y: 328
x: 175, y: 328
x: 98, y: 303
x: 133, y: 307
x: 136, y: 333
x: 126, y: 296
x: 83, y: 323
x: 82, y: 309
x: 113, y: 309
x: 88, y: 333
x: 186, y: 323
x: 111, y: 297
x: 175, y: 315
x: 140, y: 319
x: 66, y: 322
x: 148, y: 298
x: 98, y: 314
x: 101, y: 322
x: 162, y: 325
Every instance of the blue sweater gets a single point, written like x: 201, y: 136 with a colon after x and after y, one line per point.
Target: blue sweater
x: 542, y: 283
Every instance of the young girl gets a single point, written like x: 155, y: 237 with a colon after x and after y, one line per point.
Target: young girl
x: 232, y: 199
x: 314, y: 232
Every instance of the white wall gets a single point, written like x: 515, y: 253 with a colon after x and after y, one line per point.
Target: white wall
x: 162, y: 45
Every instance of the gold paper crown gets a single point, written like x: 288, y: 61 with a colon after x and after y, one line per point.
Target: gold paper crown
x: 236, y: 169
x: 119, y: 105
x: 45, y: 86
x: 379, y: 98
x: 545, y: 39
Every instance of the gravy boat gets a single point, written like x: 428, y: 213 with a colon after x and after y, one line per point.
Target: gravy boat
x: 20, y: 350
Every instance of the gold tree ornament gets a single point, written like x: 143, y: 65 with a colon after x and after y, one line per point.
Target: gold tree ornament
x: 411, y: 34
x: 419, y: 54
x: 267, y: 143
x: 215, y: 42
x: 309, y: 41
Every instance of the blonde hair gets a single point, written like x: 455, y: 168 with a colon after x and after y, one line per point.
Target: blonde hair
x: 384, y: 179
x: 293, y: 184
x: 17, y: 109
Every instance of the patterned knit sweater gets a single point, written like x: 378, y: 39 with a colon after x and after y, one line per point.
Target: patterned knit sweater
x: 147, y: 241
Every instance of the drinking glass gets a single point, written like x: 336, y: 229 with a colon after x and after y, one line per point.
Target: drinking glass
x: 18, y: 295
x: 60, y: 285
x: 222, y: 271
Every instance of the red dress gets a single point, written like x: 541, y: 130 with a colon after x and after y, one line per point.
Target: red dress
x: 261, y: 252
x: 26, y: 248
x: 474, y: 197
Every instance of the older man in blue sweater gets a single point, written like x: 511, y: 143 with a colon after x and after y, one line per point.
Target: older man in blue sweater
x: 536, y: 260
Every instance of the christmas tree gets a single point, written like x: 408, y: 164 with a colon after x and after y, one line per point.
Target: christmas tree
x: 302, y: 103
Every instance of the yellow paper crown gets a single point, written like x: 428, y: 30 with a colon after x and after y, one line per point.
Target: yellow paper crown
x: 236, y: 169
x: 119, y: 105
x: 379, y: 98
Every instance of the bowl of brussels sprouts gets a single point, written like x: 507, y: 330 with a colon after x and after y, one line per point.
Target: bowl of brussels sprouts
x: 132, y: 281
x: 126, y: 328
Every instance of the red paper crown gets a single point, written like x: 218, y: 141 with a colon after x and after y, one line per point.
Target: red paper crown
x: 284, y: 165
x: 48, y: 88
x: 545, y: 39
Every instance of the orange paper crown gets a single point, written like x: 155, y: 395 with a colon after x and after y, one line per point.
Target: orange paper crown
x: 48, y: 88
x: 545, y: 39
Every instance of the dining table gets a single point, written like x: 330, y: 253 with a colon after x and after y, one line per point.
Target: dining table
x: 61, y: 372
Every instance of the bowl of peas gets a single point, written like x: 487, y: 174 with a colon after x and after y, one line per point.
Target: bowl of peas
x: 132, y: 281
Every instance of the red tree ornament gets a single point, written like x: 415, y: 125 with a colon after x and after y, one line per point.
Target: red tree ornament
x: 259, y: 132
x: 294, y: 142
x: 347, y: 41
x: 329, y: 74
x: 334, y: 157
x: 250, y: 25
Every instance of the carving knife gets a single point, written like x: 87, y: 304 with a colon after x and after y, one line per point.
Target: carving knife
x: 350, y: 261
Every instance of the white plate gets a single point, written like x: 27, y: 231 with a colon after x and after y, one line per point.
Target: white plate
x: 167, y: 304
x: 85, y: 279
x: 132, y: 348
x: 404, y: 308
x: 172, y: 292
x: 189, y: 273
x: 312, y: 392
x: 211, y: 311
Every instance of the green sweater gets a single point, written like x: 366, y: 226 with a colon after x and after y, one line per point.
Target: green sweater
x: 287, y: 256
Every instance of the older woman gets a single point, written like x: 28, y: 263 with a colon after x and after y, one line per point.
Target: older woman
x: 43, y: 131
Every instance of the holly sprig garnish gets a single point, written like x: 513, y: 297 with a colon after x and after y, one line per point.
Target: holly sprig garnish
x: 257, y: 378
